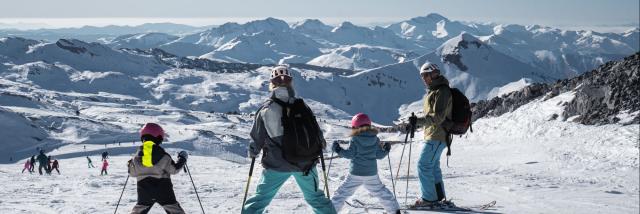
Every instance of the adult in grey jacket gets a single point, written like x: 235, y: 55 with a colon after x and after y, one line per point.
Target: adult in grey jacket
x: 267, y: 133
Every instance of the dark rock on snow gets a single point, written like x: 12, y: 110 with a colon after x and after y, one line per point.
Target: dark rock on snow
x: 601, y: 94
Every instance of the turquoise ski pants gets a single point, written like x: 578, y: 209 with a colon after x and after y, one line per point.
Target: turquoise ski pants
x: 272, y: 180
x: 429, y: 171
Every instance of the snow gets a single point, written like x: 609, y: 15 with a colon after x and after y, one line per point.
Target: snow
x: 303, y: 41
x: 333, y: 60
x: 141, y: 41
x: 362, y: 57
x: 267, y: 47
x: 508, y: 88
x: 476, y: 68
x: 545, y: 55
x: 68, y: 95
x: 627, y: 117
x: 554, y: 165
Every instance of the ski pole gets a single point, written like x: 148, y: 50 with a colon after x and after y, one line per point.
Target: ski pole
x: 393, y: 184
x: 412, y: 121
x: 246, y: 189
x: 330, y: 160
x: 406, y: 191
x: 402, y: 155
x: 121, y: 193
x: 194, y: 186
x: 326, y: 184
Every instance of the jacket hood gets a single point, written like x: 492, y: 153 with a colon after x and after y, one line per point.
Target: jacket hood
x: 367, y: 138
x: 437, y: 82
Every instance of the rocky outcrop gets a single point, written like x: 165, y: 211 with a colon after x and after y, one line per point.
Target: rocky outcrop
x: 601, y: 94
x: 509, y: 102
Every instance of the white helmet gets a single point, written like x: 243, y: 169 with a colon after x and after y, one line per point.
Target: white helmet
x: 280, y: 70
x: 428, y: 68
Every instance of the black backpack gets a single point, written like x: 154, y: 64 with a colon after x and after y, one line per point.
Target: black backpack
x: 301, y: 140
x: 460, y: 121
x: 460, y: 113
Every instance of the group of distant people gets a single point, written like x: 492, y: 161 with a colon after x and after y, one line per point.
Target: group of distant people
x: 48, y: 163
x: 45, y: 162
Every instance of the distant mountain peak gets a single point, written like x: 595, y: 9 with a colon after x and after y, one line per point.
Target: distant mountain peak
x: 347, y: 24
x: 81, y: 47
x: 463, y: 40
x: 309, y: 23
x: 72, y: 45
x: 430, y: 18
x: 450, y: 50
x: 269, y: 22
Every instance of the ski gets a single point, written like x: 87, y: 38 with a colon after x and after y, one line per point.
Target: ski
x: 355, y: 203
x: 461, y: 209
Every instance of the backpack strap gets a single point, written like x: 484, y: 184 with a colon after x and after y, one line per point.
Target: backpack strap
x: 449, y: 139
x: 279, y: 102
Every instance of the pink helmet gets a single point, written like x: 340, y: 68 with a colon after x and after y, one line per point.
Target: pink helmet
x: 152, y: 129
x: 359, y: 120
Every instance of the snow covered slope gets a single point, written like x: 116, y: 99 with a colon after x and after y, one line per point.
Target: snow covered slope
x: 266, y: 47
x: 362, y: 57
x: 141, y: 41
x: 561, y: 53
x: 508, y: 88
x: 77, y: 99
x: 71, y: 65
x: 608, y: 94
x: 312, y: 27
x: 431, y: 30
x: 554, y: 165
x: 21, y: 137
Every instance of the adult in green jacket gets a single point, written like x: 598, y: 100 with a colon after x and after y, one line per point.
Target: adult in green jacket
x: 437, y: 109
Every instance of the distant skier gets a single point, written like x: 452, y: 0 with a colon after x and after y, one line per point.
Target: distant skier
x: 105, y: 155
x: 55, y: 166
x: 32, y: 168
x: 105, y: 164
x: 49, y: 165
x: 27, y: 166
x: 43, y: 162
x: 364, y: 150
x: 153, y: 167
x: 90, y: 163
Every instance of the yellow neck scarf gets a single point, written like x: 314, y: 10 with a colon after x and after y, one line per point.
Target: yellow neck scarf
x: 147, y: 148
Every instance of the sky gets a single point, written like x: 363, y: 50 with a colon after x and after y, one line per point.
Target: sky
x: 558, y: 13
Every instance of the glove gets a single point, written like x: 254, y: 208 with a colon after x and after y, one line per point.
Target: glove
x: 251, y: 154
x: 386, y: 147
x: 336, y: 147
x: 183, y: 154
